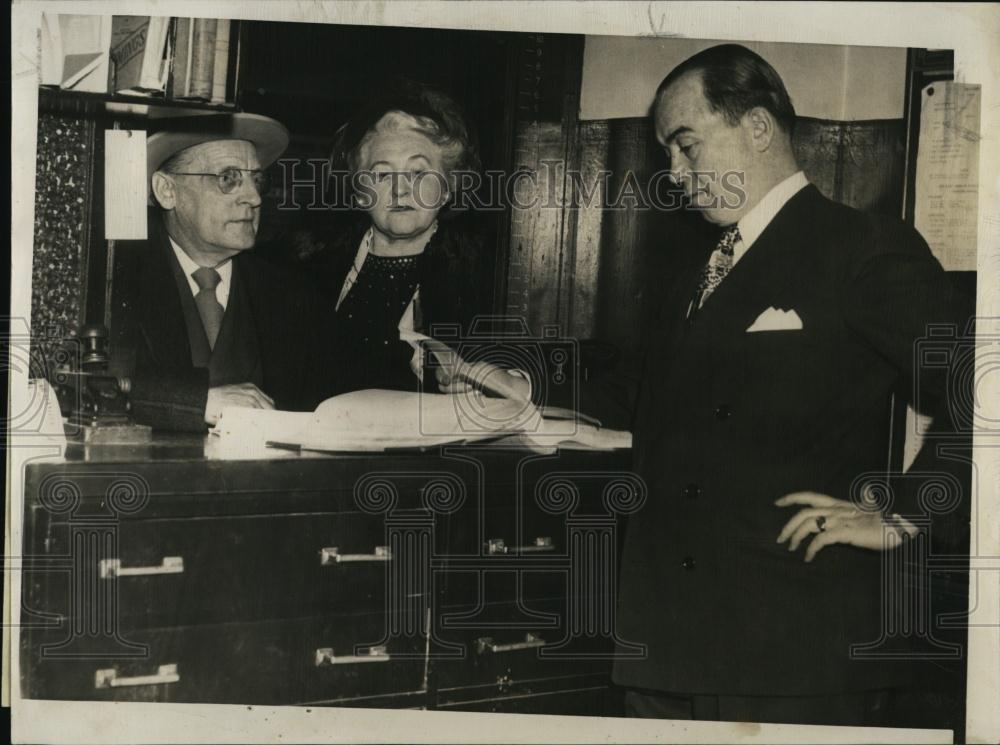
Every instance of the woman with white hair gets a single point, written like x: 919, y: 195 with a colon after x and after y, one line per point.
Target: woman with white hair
x: 403, y: 270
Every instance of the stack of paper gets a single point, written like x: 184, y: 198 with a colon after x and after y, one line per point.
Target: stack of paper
x: 377, y: 420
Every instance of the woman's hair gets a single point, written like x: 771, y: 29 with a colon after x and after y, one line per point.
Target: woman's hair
x: 425, y: 109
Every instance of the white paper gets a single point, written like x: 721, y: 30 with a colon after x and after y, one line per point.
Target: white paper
x: 125, y: 187
x: 947, y: 181
x: 85, y: 41
x: 244, y: 432
x: 41, y: 419
x: 917, y: 426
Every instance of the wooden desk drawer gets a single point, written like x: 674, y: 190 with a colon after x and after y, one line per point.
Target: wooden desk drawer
x: 160, y: 573
x: 504, y: 584
x: 506, y: 645
x: 552, y: 530
x: 529, y: 555
x: 271, y: 662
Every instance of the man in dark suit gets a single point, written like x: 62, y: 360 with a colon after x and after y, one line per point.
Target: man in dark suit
x: 199, y: 323
x: 768, y: 386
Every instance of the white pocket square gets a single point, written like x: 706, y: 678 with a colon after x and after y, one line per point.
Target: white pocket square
x: 773, y: 319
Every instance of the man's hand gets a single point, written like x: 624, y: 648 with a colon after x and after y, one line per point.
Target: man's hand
x: 837, y: 521
x: 246, y: 395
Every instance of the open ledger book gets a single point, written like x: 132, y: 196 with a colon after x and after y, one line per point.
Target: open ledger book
x: 377, y: 420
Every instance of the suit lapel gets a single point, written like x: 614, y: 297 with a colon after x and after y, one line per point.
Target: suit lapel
x: 669, y: 328
x: 764, y: 270
x: 229, y: 331
x: 251, y: 290
x: 236, y: 357
x: 667, y: 324
x: 162, y: 317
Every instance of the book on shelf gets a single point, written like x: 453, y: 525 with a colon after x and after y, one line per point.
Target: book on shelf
x: 183, y: 46
x: 201, y: 66
x: 140, y: 57
x: 202, y: 59
x: 220, y: 67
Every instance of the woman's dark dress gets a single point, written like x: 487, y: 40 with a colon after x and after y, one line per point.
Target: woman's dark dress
x: 368, y: 321
x: 455, y: 284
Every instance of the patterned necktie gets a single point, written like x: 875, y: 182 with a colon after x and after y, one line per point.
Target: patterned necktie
x: 718, y: 266
x: 209, y: 309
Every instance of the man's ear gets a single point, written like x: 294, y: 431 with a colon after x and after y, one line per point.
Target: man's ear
x: 164, y: 190
x: 762, y: 127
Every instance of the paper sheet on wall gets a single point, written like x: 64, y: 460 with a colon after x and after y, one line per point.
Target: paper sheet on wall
x: 947, y: 180
x: 917, y: 426
x: 125, y: 187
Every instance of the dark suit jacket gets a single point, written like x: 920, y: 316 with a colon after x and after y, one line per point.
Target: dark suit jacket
x: 150, y: 343
x: 729, y: 421
x: 452, y: 292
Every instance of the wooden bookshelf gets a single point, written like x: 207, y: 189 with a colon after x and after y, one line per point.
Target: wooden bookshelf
x: 78, y: 103
x: 52, y: 99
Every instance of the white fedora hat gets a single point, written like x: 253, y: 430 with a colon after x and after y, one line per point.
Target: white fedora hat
x: 172, y: 135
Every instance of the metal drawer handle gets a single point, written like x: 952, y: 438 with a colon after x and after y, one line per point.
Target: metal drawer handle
x: 109, y: 678
x: 325, y: 656
x: 332, y: 555
x: 531, y: 641
x: 497, y: 546
x: 113, y: 568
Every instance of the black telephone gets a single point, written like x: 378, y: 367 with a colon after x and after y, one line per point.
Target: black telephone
x: 95, y: 403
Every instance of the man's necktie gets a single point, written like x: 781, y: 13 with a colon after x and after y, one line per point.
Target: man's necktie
x: 209, y: 309
x: 718, y: 266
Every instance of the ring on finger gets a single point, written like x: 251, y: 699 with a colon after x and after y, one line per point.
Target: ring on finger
x: 821, y: 523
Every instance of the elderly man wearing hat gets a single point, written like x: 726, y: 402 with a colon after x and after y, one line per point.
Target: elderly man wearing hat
x: 198, y: 322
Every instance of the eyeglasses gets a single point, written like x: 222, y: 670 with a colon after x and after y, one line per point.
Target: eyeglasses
x: 231, y: 179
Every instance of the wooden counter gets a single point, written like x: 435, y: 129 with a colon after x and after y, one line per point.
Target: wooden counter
x: 176, y: 572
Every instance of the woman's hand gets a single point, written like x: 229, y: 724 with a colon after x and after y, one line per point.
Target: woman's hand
x: 485, y: 376
x: 449, y: 382
x: 838, y: 521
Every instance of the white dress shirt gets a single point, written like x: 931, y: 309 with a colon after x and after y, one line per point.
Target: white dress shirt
x: 753, y: 223
x: 189, y: 267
